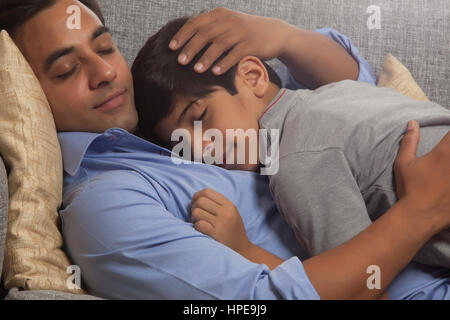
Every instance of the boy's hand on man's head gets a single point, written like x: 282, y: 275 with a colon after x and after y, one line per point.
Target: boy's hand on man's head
x: 225, y: 29
x: 214, y: 215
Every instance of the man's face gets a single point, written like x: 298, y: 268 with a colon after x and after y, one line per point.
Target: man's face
x: 86, y: 80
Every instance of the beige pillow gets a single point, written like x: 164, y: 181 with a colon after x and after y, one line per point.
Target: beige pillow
x: 396, y: 76
x: 30, y: 149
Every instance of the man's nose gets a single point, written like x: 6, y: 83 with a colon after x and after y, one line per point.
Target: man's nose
x: 101, y: 73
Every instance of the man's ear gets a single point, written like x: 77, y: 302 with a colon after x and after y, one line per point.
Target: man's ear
x: 252, y: 73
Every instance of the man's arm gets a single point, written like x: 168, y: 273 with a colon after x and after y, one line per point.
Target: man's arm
x: 313, y: 59
x: 366, y: 73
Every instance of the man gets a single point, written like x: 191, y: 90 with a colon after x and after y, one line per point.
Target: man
x: 125, y: 210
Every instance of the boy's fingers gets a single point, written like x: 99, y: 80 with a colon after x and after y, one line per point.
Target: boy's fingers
x: 206, y: 204
x: 211, y: 194
x: 408, y: 145
x: 204, y: 227
x: 198, y: 214
x: 199, y: 194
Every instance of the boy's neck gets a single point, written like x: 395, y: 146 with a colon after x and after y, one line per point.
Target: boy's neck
x: 271, y: 93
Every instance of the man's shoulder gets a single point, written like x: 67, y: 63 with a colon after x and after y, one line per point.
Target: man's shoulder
x: 106, y: 184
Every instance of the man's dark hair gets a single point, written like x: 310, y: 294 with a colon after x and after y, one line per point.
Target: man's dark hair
x: 159, y: 79
x: 14, y: 13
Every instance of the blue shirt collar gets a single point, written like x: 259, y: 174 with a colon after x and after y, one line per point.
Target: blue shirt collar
x: 73, y: 148
x: 74, y: 145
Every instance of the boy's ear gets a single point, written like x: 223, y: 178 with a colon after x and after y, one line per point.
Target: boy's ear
x: 251, y: 72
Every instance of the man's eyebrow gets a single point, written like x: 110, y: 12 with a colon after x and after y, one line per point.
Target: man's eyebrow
x: 98, y: 32
x: 56, y: 55
x: 65, y: 51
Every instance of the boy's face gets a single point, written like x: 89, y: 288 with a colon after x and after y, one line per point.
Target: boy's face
x: 218, y: 110
x: 86, y: 80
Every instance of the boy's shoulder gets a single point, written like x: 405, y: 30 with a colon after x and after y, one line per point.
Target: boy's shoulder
x: 341, y: 90
x: 326, y: 117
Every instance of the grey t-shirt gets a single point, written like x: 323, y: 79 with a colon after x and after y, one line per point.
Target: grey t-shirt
x: 338, y: 144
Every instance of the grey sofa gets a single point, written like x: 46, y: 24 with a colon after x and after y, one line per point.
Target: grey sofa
x: 414, y: 31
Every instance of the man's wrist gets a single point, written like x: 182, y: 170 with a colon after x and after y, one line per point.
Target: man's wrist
x: 294, y: 40
x: 420, y: 220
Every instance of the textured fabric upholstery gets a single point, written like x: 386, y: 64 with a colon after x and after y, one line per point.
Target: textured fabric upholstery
x: 3, y: 218
x: 15, y: 294
x: 3, y: 211
x: 33, y: 255
x: 396, y: 76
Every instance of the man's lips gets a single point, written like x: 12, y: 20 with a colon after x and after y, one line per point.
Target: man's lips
x: 113, y: 101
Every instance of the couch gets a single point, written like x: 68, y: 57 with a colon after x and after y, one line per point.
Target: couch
x: 414, y: 31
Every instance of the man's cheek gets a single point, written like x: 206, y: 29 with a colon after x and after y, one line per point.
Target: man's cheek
x: 122, y: 69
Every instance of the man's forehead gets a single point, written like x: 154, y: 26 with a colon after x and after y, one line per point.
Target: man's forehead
x: 48, y: 30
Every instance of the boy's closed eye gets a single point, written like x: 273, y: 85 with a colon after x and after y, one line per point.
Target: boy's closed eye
x: 194, y: 111
x: 203, y: 114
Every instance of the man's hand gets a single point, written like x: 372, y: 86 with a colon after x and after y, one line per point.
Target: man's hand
x: 312, y: 58
x: 214, y: 215
x: 424, y: 183
x: 225, y: 29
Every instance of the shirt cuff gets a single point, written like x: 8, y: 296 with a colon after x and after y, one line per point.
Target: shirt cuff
x: 288, y: 281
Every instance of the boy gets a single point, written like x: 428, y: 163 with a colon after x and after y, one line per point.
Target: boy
x: 336, y: 150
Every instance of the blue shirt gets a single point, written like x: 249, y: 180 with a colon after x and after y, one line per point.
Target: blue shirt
x: 126, y: 221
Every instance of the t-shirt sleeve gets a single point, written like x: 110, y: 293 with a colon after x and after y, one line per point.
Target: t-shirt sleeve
x: 366, y: 73
x: 129, y: 246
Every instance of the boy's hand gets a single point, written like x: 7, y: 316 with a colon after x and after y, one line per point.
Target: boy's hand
x: 225, y: 29
x: 214, y: 215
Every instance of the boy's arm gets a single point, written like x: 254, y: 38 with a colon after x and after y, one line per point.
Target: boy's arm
x: 214, y: 215
x: 313, y: 59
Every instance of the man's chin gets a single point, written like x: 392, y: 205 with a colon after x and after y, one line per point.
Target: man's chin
x: 126, y: 121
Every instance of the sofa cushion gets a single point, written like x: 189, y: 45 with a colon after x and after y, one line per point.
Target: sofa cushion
x: 3, y: 211
x: 396, y: 76
x: 414, y: 31
x: 30, y: 149
x: 15, y: 294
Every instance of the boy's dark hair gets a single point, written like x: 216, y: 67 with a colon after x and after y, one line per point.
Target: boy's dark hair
x: 159, y: 79
x: 14, y: 13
